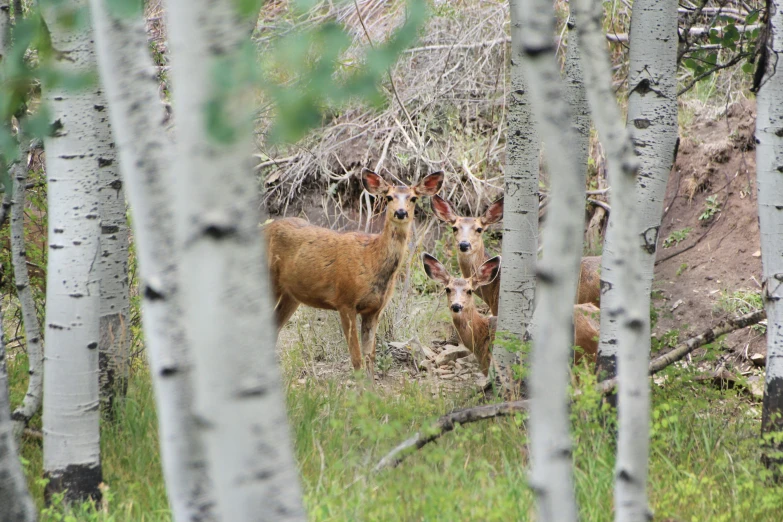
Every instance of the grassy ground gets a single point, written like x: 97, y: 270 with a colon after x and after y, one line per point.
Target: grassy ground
x: 704, y: 462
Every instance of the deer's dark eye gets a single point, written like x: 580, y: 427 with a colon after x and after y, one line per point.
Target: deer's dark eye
x: 479, y: 230
x: 470, y: 292
x: 448, y: 290
x: 389, y: 198
x: 413, y: 200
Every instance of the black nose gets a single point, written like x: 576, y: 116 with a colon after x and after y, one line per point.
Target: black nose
x: 401, y: 214
x: 464, y: 246
x: 456, y: 307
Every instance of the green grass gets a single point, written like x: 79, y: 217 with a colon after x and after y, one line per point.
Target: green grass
x: 704, y: 457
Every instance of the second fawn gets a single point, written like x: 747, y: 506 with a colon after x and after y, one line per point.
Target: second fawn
x: 353, y: 273
x: 475, y: 330
x: 468, y: 233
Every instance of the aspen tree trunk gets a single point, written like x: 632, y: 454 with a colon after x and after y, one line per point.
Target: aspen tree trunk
x: 551, y: 475
x: 113, y: 267
x: 225, y: 289
x: 145, y: 152
x: 17, y: 505
x: 32, y: 330
x: 520, y: 213
x: 652, y: 122
x: 769, y: 161
x: 71, y: 413
x: 630, y: 294
x: 576, y: 96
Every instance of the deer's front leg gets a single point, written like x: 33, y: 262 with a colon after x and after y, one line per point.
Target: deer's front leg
x: 348, y: 319
x: 369, y: 327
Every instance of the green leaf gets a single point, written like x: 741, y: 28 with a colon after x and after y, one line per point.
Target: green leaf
x: 246, y: 8
x: 752, y: 17
x: 690, y: 63
x: 747, y: 67
x: 125, y: 8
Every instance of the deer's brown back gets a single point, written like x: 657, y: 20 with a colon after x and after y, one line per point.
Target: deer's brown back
x: 326, y: 269
x: 589, y: 290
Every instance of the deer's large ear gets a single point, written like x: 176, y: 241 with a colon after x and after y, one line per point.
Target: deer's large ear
x: 442, y: 209
x: 435, y: 269
x: 494, y: 213
x: 430, y: 185
x: 373, y: 183
x: 487, y: 272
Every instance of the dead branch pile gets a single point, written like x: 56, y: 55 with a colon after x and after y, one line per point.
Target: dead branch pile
x: 452, y: 86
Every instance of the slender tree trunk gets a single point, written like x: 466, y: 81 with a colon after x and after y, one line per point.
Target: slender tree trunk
x: 32, y: 330
x: 652, y: 121
x: 551, y: 475
x: 145, y: 153
x: 71, y: 404
x: 576, y: 96
x: 769, y: 161
x: 520, y: 214
x: 225, y: 290
x: 113, y: 349
x: 628, y: 302
x: 17, y: 505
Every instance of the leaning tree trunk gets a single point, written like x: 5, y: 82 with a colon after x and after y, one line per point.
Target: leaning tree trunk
x: 652, y: 121
x: 145, y: 152
x: 225, y: 290
x: 520, y: 215
x: 769, y: 161
x: 627, y: 301
x: 32, y: 330
x: 71, y: 413
x: 551, y: 475
x: 17, y: 505
x: 114, y: 344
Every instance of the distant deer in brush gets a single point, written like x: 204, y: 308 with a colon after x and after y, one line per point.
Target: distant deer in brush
x: 468, y: 233
x: 475, y: 330
x: 353, y: 273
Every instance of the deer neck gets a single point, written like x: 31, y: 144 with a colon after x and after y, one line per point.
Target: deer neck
x: 473, y: 328
x: 470, y: 262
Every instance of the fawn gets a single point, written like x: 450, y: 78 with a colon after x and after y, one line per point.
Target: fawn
x: 353, y: 273
x: 468, y: 233
x: 475, y: 330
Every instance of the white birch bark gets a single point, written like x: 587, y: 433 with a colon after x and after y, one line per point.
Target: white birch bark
x: 32, y: 330
x: 769, y: 165
x: 576, y: 96
x: 551, y: 473
x: 652, y: 122
x: 520, y: 214
x: 225, y: 290
x: 71, y: 458
x: 628, y: 305
x: 17, y: 505
x: 145, y: 152
x: 113, y: 267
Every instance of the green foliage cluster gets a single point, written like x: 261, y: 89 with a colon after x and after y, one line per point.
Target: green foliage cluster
x: 676, y: 237
x: 702, y: 60
x: 711, y: 207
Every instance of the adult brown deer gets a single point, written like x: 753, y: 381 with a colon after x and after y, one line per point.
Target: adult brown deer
x: 468, y: 232
x: 475, y: 330
x: 352, y: 272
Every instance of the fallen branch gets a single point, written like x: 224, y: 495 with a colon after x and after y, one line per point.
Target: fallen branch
x: 683, y: 349
x: 447, y: 422
x: 599, y: 204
